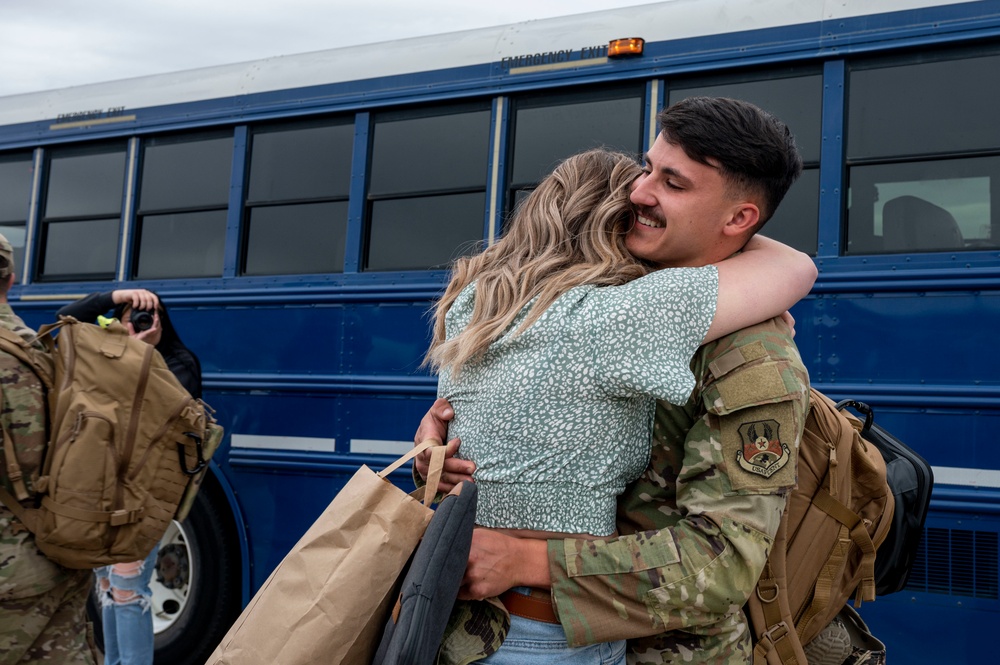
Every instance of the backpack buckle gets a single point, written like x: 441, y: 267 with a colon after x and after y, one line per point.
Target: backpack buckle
x: 774, y: 634
x: 122, y: 517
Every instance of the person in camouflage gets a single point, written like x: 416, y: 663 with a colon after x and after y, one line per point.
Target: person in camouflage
x: 43, y: 615
x: 696, y: 527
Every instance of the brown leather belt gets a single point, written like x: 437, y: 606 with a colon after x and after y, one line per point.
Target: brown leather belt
x: 537, y: 606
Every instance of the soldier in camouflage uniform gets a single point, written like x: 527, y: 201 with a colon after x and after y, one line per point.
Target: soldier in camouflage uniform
x: 42, y: 605
x: 697, y: 526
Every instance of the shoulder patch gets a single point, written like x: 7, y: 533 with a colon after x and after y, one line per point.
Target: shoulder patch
x: 762, y: 452
x: 760, y: 449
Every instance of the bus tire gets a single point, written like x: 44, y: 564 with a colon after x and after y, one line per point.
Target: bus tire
x: 206, y: 585
x: 196, y: 587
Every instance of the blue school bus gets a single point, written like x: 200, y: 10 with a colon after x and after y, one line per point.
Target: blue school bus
x: 298, y: 216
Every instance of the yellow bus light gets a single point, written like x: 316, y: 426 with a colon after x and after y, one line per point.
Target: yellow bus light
x: 620, y: 48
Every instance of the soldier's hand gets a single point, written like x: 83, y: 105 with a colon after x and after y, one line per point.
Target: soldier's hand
x: 498, y: 562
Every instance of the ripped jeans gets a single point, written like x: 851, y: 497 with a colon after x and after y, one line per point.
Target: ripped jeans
x: 123, y: 590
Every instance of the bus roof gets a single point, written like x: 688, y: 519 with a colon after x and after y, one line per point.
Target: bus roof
x: 669, y: 20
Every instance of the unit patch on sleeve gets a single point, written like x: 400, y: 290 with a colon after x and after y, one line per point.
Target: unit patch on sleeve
x: 762, y: 452
x: 758, y: 445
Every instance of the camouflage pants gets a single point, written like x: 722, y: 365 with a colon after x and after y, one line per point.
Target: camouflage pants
x: 43, y: 606
x: 726, y: 642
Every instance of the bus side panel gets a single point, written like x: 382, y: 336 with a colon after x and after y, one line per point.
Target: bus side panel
x: 308, y: 394
x: 286, y: 479
x: 918, y: 359
x: 939, y: 617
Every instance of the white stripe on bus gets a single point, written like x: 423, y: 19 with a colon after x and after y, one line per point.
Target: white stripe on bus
x: 317, y: 444
x: 380, y: 446
x: 302, y: 443
x: 949, y: 475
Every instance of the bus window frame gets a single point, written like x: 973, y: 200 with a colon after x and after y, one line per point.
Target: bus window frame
x: 183, y: 211
x: 372, y: 200
x: 249, y: 204
x: 45, y: 220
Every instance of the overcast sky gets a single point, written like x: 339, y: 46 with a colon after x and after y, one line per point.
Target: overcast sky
x: 47, y: 44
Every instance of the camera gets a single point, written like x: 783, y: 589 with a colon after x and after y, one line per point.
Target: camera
x: 141, y: 319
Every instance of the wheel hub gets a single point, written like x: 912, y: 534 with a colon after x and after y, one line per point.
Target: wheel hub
x: 172, y: 566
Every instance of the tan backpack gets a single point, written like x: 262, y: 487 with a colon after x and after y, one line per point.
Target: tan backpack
x: 824, y: 552
x: 125, y: 441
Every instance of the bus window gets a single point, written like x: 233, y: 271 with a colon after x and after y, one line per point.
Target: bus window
x: 913, y: 184
x: 15, y: 197
x: 82, y: 208
x: 183, y: 197
x: 953, y: 212
x: 549, y: 128
x: 300, y: 177
x: 798, y: 101
x: 427, y: 190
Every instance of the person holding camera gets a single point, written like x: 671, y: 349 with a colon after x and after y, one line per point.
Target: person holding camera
x: 146, y: 317
x: 123, y: 588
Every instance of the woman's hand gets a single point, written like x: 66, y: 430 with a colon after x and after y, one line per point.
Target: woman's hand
x: 136, y: 299
x: 434, y: 425
x: 140, y: 300
x: 151, y: 335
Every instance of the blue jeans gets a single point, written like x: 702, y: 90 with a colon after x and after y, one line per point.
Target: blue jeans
x: 538, y: 643
x: 128, y: 620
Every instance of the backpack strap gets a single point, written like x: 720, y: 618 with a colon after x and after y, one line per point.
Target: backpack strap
x: 23, y: 350
x: 778, y: 643
x: 852, y: 529
x: 779, y: 639
x: 15, y: 345
x: 15, y: 507
x: 113, y: 517
x: 14, y: 472
x: 858, y: 532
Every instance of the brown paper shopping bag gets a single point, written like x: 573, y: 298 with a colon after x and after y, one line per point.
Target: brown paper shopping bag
x: 328, y: 599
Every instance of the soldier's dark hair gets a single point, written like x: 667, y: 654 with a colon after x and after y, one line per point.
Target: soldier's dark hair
x: 754, y: 150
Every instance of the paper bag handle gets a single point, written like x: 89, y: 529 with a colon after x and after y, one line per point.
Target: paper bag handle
x: 434, y: 470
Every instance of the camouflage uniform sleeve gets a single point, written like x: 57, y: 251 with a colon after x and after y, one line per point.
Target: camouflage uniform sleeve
x: 697, y: 525
x: 22, y: 417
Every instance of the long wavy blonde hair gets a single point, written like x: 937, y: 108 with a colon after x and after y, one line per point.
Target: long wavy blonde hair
x: 570, y: 231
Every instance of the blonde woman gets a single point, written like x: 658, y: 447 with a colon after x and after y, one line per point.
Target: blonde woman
x: 553, y: 345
